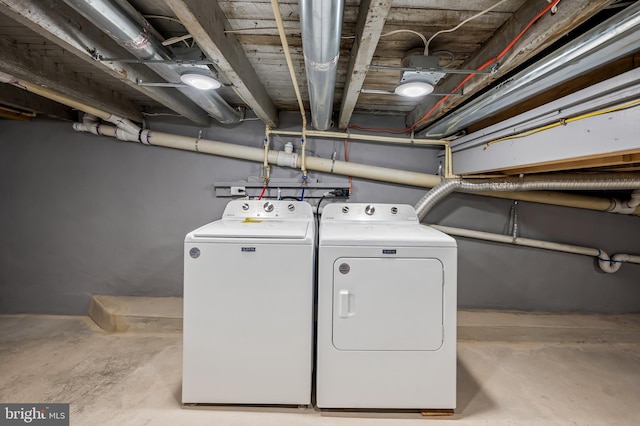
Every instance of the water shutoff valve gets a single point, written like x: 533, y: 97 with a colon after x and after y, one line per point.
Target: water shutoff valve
x: 288, y: 147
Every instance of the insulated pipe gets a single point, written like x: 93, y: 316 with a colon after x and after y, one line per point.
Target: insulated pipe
x: 527, y: 183
x: 614, y: 38
x: 607, y: 264
x: 321, y: 24
x: 125, y: 25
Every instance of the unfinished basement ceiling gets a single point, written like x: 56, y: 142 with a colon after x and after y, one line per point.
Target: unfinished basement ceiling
x: 48, y: 42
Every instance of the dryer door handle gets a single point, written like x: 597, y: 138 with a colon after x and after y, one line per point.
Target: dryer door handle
x: 346, y: 304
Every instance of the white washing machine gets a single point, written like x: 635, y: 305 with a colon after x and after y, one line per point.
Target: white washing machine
x: 386, y: 310
x: 248, y: 306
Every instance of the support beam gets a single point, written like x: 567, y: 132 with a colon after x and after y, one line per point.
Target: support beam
x: 206, y: 22
x: 42, y: 71
x: 371, y: 19
x: 17, y: 98
x: 541, y: 35
x: 63, y: 26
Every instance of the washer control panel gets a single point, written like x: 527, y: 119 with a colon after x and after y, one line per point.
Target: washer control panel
x: 369, y: 212
x: 268, y: 209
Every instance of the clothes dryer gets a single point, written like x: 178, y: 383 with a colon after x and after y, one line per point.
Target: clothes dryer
x: 386, y: 310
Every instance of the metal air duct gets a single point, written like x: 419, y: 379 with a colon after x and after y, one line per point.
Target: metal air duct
x: 124, y: 24
x: 616, y: 37
x: 321, y: 23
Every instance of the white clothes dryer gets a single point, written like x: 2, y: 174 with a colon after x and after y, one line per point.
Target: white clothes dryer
x: 386, y: 310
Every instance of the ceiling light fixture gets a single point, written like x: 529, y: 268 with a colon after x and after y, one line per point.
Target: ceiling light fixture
x: 200, y: 81
x: 419, y: 77
x: 414, y: 89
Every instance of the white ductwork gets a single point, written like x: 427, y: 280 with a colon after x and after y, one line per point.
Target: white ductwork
x: 130, y: 29
x: 321, y: 24
x: 608, y: 264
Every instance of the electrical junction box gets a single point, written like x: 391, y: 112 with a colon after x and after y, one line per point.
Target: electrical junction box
x: 424, y: 67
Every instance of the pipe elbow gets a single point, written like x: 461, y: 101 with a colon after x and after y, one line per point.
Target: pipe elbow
x: 123, y: 124
x: 607, y: 264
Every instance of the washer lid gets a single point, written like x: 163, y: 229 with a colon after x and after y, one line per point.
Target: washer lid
x: 387, y: 234
x: 252, y: 228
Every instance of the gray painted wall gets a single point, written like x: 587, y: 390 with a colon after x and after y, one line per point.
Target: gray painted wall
x: 84, y: 215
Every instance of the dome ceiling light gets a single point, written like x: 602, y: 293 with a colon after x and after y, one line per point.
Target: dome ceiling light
x: 200, y: 81
x: 420, y: 75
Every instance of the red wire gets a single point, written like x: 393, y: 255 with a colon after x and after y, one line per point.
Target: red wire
x: 467, y: 78
x: 264, y: 188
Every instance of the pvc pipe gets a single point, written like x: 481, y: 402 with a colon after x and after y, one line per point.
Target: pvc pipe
x: 267, y: 168
x: 303, y: 158
x: 361, y: 137
x: 606, y: 263
x: 626, y: 207
x: 383, y: 174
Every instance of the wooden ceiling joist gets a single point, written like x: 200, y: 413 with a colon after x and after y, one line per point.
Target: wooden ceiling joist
x: 371, y: 19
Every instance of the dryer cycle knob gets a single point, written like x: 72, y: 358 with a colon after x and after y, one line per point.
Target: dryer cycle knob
x: 268, y: 207
x: 370, y: 210
x: 245, y: 206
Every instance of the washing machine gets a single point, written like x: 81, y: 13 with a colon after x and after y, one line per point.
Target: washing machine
x: 248, y: 306
x: 386, y: 310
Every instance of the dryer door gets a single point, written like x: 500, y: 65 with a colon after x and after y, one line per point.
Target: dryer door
x: 387, y: 304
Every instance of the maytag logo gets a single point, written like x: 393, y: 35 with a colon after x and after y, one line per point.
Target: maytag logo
x: 38, y: 414
x: 249, y: 249
x: 389, y: 251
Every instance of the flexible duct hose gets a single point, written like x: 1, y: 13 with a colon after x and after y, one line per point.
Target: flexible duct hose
x: 562, y: 182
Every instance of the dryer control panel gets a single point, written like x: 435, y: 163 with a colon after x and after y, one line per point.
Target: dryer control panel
x: 369, y: 212
x: 268, y: 209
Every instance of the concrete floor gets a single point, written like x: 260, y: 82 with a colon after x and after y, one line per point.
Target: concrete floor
x: 535, y: 371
